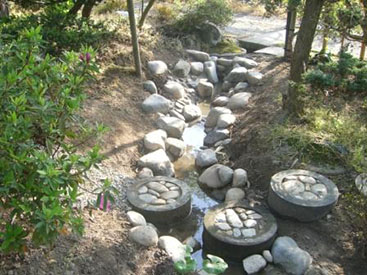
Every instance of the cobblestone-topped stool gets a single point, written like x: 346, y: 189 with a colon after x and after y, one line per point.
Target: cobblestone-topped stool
x: 235, y: 230
x: 161, y: 200
x: 302, y: 195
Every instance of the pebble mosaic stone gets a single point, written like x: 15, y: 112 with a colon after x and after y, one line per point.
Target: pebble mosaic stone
x: 301, y: 194
x: 160, y: 195
x: 234, y: 230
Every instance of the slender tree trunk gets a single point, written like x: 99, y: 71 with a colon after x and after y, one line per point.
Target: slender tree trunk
x: 290, y: 28
x: 4, y: 8
x: 325, y: 40
x: 77, y: 6
x: 301, y: 52
x: 87, y: 9
x: 342, y: 41
x: 363, y: 51
x: 134, y: 37
x: 364, y: 29
x: 145, y: 13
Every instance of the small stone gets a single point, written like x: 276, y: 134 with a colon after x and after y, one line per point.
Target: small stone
x: 157, y: 67
x: 144, y: 235
x: 233, y: 219
x: 171, y: 201
x: 156, y: 104
x: 215, y: 136
x: 155, y: 140
x: 205, y: 89
x: 236, y: 232
x: 168, y: 184
x: 145, y: 173
x: 174, y: 89
x: 245, y: 62
x: 309, y: 196
x: 206, y: 158
x: 143, y: 190
x: 306, y: 179
x: 198, y: 55
x: 225, y: 174
x: 290, y: 178
x: 248, y: 233
x: 212, y: 118
x: 239, y: 100
x: 293, y: 187
x: 234, y: 194
x: 156, y: 186
x: 158, y: 162
x: 240, y: 87
x: 154, y: 193
x: 191, y: 112
x: 243, y: 216
x: 182, y: 68
x: 253, y: 264
x: 220, y: 101
x: 225, y: 120
x: 249, y: 212
x: 250, y: 223
x: 319, y: 189
x: 135, y: 218
x: 174, y: 248
x: 255, y: 216
x: 159, y: 202
x: 197, y: 68
x: 174, y: 188
x: 267, y: 255
x: 193, y: 243
x: 150, y: 87
x: 223, y: 226
x: 220, y: 218
x: 254, y: 78
x: 239, y: 178
x: 210, y: 177
x: 229, y: 233
x: 224, y: 62
x: 239, y: 210
x: 172, y: 125
x: 237, y: 75
x: 176, y: 147
x: 170, y: 195
x: 148, y: 198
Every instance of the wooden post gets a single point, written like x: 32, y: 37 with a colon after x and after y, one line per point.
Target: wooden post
x: 134, y: 37
x: 291, y: 24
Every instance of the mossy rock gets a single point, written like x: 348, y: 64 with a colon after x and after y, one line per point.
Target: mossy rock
x: 226, y: 46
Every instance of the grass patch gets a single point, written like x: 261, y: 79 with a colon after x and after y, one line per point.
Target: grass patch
x: 110, y: 6
x: 226, y: 46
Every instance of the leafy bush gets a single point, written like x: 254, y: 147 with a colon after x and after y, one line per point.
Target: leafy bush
x: 319, y: 80
x: 40, y: 169
x: 166, y: 12
x: 59, y: 30
x: 110, y: 6
x: 218, y: 12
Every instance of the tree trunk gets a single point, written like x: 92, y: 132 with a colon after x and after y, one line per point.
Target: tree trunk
x: 301, y: 52
x: 87, y: 9
x: 134, y: 37
x: 325, y: 40
x: 145, y: 13
x: 77, y: 6
x: 289, y: 36
x: 4, y: 8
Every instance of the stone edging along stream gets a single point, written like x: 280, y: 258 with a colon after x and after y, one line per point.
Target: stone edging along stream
x: 163, y: 199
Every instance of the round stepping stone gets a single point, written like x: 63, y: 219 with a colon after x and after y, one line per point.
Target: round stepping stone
x: 226, y: 236
x: 302, y: 195
x: 166, y: 207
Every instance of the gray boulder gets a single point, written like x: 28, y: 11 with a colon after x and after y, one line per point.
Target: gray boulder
x: 220, y: 101
x: 210, y: 177
x: 172, y: 125
x: 225, y: 120
x: 157, y: 67
x: 176, y: 147
x: 237, y: 75
x: 293, y: 259
x: 225, y: 174
x: 155, y: 140
x: 174, y: 89
x: 240, y: 87
x: 197, y: 68
x: 224, y: 62
x: 135, y: 218
x: 174, y: 248
x: 156, y: 104
x: 240, y: 178
x: 182, y: 68
x: 158, y: 162
x: 205, y: 88
x: 206, y: 158
x: 213, y: 115
x: 254, y: 78
x: 245, y: 62
x: 226, y: 86
x: 254, y: 264
x: 150, y: 87
x: 191, y: 112
x: 211, y: 71
x: 234, y: 194
x: 198, y: 55
x: 214, y: 136
x: 145, y: 173
x: 144, y: 235
x: 239, y: 100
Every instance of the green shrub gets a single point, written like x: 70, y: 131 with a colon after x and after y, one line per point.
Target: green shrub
x: 60, y: 31
x: 109, y: 6
x: 218, y: 12
x: 319, y: 80
x: 40, y: 169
